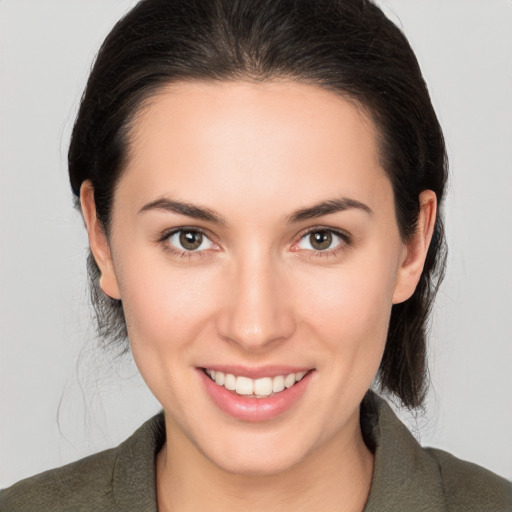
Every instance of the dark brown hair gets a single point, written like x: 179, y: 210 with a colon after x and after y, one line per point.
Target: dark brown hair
x: 346, y: 46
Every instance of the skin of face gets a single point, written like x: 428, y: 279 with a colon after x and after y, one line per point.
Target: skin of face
x: 257, y: 292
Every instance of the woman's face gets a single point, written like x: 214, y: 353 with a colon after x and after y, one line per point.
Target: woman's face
x: 254, y: 234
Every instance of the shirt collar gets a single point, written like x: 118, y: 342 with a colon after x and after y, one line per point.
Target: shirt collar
x: 405, y: 476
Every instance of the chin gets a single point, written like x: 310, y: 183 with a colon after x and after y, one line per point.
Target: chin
x: 258, y: 455
x: 258, y: 466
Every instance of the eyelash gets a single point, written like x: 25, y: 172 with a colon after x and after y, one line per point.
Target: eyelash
x: 183, y: 254
x: 345, y: 237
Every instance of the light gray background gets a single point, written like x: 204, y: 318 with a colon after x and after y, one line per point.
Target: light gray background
x: 61, y: 398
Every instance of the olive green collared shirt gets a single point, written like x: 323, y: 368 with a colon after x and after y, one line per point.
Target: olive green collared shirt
x: 406, y: 477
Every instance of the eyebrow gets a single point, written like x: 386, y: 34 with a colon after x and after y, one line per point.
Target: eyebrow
x: 199, y: 212
x: 326, y: 208
x: 184, y: 208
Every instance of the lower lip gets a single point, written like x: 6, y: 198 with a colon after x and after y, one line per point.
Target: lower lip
x: 254, y: 409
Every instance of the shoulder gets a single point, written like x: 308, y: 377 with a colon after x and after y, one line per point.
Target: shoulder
x: 81, y: 484
x: 121, y: 478
x: 469, y: 487
x: 410, y: 477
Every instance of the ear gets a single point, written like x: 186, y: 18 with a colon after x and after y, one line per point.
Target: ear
x: 98, y: 242
x: 416, y: 248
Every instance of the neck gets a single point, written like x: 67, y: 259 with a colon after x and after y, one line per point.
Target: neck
x: 336, y: 477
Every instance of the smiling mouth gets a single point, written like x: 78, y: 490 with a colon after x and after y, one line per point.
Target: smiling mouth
x: 264, y: 387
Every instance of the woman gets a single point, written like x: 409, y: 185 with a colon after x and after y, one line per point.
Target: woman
x: 261, y: 184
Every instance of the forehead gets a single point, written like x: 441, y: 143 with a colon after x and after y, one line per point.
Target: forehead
x: 273, y: 141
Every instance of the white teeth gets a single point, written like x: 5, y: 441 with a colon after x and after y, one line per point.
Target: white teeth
x: 263, y: 386
x: 244, y: 386
x: 278, y: 384
x: 289, y: 380
x: 220, y: 378
x: 260, y: 388
x: 230, y: 382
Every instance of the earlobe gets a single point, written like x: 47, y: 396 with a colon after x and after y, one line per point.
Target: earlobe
x: 415, y: 250
x: 98, y: 242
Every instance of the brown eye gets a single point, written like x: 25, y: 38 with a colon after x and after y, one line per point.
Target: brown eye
x: 320, y: 240
x: 191, y: 240
x: 188, y: 240
x: 323, y: 241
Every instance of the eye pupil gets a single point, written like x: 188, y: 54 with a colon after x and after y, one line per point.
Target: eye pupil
x: 191, y: 240
x: 321, y: 240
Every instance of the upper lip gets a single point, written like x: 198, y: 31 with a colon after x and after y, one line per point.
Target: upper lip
x: 257, y: 372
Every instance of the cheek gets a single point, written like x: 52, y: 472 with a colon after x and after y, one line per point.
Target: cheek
x: 348, y: 312
x: 350, y: 303
x: 164, y: 307
x: 167, y: 315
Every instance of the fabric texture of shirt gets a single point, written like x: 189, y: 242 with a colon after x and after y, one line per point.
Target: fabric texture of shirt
x: 406, y: 477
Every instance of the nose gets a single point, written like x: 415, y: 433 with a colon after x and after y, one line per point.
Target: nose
x: 256, y: 310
